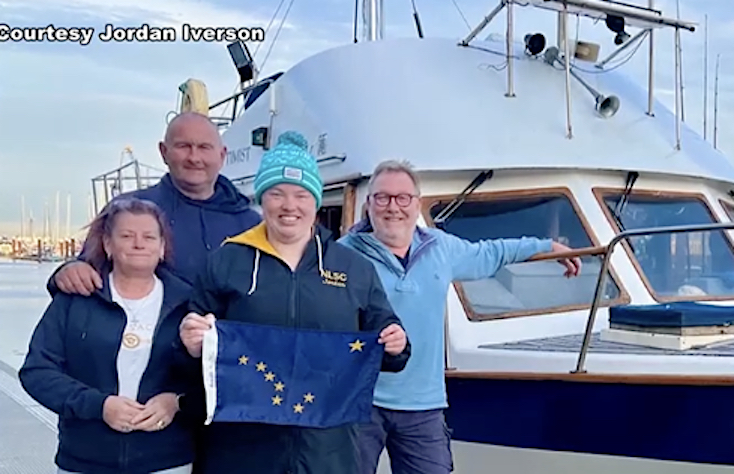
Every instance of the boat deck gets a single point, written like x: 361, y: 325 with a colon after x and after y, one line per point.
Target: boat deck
x: 572, y: 343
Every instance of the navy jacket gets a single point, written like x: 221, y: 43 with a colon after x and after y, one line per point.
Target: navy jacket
x: 197, y: 226
x: 245, y: 280
x: 71, y: 369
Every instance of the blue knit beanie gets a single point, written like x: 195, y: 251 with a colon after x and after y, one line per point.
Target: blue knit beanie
x: 289, y: 162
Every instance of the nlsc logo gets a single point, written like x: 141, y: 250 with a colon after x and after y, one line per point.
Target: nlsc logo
x: 334, y: 278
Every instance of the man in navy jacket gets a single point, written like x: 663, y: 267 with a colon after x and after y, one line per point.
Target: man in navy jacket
x: 202, y: 206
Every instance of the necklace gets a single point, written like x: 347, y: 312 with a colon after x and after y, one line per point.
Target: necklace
x: 131, y: 339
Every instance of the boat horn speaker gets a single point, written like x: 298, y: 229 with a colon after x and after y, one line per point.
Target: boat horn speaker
x: 534, y: 44
x: 606, y: 106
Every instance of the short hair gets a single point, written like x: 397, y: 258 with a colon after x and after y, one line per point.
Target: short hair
x: 396, y: 166
x: 103, y: 225
x: 189, y: 116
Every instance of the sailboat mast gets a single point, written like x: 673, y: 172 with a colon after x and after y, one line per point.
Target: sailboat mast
x: 57, y: 219
x: 46, y: 223
x: 22, y: 218
x: 68, y: 216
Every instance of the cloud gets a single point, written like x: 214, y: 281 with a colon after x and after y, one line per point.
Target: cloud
x: 161, y: 12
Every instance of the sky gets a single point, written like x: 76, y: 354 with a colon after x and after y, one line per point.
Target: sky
x: 67, y: 110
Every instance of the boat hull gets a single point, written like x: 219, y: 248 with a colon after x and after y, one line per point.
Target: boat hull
x: 685, y: 423
x: 476, y: 458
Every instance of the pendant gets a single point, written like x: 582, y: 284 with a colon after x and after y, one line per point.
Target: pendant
x: 130, y: 340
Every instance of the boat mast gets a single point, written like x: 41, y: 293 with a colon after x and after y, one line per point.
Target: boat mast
x: 374, y: 20
x: 651, y: 68
x: 57, y: 220
x: 22, y: 218
x: 680, y: 69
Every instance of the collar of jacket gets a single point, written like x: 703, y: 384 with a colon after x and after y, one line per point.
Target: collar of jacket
x: 175, y: 290
x: 313, y: 255
x: 226, y: 197
x: 362, y: 234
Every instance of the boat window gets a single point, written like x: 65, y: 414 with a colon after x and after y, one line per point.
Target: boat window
x: 527, y: 288
x: 728, y: 208
x: 259, y: 89
x: 695, y: 265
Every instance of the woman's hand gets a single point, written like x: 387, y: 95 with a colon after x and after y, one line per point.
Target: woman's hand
x: 157, y: 413
x: 192, y: 330
x: 119, y: 412
x: 394, y: 339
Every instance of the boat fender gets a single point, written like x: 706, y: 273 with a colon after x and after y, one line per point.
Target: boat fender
x: 195, y: 98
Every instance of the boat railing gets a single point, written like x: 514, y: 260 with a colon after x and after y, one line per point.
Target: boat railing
x: 606, y: 253
x: 130, y: 176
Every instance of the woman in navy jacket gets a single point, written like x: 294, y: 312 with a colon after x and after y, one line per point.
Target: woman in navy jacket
x: 111, y: 364
x: 289, y: 272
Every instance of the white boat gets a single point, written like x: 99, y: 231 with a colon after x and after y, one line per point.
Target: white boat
x: 533, y: 144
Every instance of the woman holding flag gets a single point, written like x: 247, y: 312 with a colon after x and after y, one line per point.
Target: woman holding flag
x: 294, y: 328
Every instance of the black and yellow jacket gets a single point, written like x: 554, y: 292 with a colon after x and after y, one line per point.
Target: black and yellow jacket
x: 333, y: 288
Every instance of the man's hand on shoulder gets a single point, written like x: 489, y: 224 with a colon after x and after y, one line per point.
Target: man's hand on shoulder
x: 78, y: 278
x: 573, y: 264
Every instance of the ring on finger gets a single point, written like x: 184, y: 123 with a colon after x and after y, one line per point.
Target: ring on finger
x: 161, y: 424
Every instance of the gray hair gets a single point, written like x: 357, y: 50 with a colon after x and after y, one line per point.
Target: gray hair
x: 395, y: 166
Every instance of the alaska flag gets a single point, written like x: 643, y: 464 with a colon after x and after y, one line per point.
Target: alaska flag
x: 288, y: 376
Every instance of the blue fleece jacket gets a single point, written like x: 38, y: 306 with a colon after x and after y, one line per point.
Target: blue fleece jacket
x: 418, y: 296
x: 198, y: 227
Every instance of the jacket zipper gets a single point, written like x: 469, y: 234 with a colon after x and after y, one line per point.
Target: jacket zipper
x: 418, y: 251
x: 292, y: 318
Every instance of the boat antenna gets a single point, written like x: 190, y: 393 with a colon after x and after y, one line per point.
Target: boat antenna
x: 356, y: 18
x: 705, y: 73
x: 417, y: 19
x: 680, y: 70
x: 716, y: 100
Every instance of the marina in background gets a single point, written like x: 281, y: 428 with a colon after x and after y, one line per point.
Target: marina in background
x: 53, y: 245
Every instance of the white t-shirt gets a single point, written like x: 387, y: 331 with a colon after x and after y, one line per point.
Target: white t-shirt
x: 137, y: 340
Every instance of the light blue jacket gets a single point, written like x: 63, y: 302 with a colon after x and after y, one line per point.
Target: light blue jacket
x: 418, y: 296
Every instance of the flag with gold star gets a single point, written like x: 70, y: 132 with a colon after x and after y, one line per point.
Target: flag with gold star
x: 289, y: 376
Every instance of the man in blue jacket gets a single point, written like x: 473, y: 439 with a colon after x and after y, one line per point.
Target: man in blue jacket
x: 202, y: 206
x: 416, y: 267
